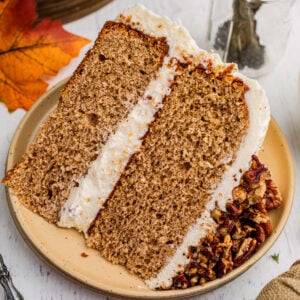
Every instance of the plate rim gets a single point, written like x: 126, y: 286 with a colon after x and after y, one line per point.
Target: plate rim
x: 168, y: 294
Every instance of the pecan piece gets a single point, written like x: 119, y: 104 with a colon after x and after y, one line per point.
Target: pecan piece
x: 194, y: 280
x: 256, y: 195
x: 233, y: 210
x: 235, y: 246
x: 255, y: 216
x: 255, y: 163
x: 238, y: 232
x: 272, y: 195
x: 256, y: 174
x: 239, y: 194
x: 180, y: 282
x: 259, y: 234
x: 191, y: 271
x: 216, y: 215
x: 247, y: 248
x: 268, y: 228
x: 223, y: 267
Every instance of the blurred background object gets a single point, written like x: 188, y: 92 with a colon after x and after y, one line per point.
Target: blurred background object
x: 285, y: 286
x: 251, y: 33
x: 67, y: 10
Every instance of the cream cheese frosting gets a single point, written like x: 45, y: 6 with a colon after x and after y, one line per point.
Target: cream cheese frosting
x: 93, y: 190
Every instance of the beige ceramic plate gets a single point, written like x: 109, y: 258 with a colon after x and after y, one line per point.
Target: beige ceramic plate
x: 62, y: 248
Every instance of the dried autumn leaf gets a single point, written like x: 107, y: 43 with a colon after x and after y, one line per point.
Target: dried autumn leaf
x: 29, y: 52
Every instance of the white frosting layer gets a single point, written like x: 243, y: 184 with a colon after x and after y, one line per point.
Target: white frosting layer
x: 86, y: 200
x: 93, y: 190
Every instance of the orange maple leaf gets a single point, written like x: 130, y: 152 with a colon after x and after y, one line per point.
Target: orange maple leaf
x: 28, y: 52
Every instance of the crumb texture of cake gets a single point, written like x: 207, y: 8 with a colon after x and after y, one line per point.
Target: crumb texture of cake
x: 100, y: 94
x: 166, y: 185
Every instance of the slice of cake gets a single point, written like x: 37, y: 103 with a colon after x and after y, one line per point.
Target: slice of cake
x: 151, y: 135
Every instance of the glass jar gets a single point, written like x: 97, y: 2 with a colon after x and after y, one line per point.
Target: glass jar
x: 251, y: 33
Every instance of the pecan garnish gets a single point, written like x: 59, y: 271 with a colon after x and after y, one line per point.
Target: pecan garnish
x: 239, y: 194
x: 180, y: 282
x: 259, y: 234
x: 233, y: 209
x: 247, y: 248
x: 242, y: 228
x: 273, y: 195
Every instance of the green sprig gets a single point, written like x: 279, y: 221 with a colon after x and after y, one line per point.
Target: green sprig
x: 275, y: 257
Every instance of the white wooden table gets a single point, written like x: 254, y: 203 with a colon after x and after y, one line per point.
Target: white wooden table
x: 38, y: 281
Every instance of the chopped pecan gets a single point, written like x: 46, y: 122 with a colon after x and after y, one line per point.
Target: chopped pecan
x: 235, y: 245
x: 238, y: 232
x: 223, y: 267
x: 248, y: 229
x: 261, y: 206
x: 256, y: 195
x: 202, y: 270
x: 259, y: 234
x: 255, y: 216
x: 239, y: 194
x: 272, y: 195
x: 216, y: 214
x: 194, y: 280
x: 255, y: 163
x: 233, y: 210
x: 247, y: 248
x: 255, y: 175
x: 268, y: 228
x: 202, y: 258
x: 180, y: 282
x: 223, y: 230
x: 230, y: 226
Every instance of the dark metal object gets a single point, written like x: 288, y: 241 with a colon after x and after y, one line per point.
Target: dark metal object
x: 238, y: 37
x: 11, y: 293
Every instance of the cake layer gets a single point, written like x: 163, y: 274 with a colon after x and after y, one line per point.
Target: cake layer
x: 101, y: 93
x: 165, y: 187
